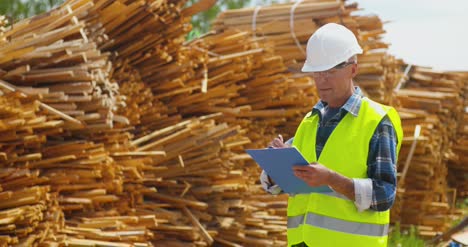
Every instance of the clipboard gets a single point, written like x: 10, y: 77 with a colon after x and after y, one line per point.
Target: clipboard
x: 278, y: 163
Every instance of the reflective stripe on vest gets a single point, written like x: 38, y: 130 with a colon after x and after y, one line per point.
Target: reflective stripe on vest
x: 334, y: 224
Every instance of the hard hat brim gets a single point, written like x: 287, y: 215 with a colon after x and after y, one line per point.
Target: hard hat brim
x: 310, y: 68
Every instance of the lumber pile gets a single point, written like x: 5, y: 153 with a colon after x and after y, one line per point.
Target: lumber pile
x: 29, y: 213
x: 57, y: 58
x: 194, y: 182
x: 379, y: 72
x: 248, y: 83
x: 432, y: 100
x: 116, y: 24
x: 218, y: 73
x: 458, y: 158
x: 29, y: 216
x: 181, y: 180
x: 50, y: 55
x: 119, y: 231
x: 290, y: 25
x: 267, y: 102
x: 232, y: 62
x: 81, y: 172
x: 45, y: 178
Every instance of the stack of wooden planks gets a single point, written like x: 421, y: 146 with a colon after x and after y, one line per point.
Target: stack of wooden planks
x: 52, y: 56
x: 290, y: 25
x: 29, y: 214
x: 248, y: 83
x: 180, y: 179
x: 194, y: 182
x: 432, y: 100
x: 45, y: 178
x: 60, y: 58
x: 458, y: 158
x: 221, y: 86
x: 267, y: 101
x: 162, y: 26
x: 119, y: 231
x: 379, y: 72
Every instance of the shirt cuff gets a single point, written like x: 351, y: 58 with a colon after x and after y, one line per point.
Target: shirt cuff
x: 362, y: 193
x: 267, y: 186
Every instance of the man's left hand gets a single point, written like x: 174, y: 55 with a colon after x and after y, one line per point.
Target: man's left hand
x: 314, y: 174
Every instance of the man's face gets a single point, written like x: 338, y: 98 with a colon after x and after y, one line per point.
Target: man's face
x: 335, y: 85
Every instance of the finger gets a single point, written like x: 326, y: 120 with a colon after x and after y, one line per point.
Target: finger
x: 277, y: 140
x: 277, y: 143
x: 299, y: 175
x: 307, y: 176
x: 302, y: 168
x: 281, y: 137
x: 296, y: 168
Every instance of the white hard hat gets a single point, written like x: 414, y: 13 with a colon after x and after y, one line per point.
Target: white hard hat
x: 329, y: 46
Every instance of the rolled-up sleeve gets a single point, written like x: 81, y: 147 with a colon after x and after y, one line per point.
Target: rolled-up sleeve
x: 268, y: 186
x: 362, y: 193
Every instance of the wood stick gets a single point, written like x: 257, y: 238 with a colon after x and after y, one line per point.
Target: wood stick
x: 197, y: 224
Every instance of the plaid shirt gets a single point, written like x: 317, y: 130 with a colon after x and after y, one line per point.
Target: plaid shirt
x: 382, y: 150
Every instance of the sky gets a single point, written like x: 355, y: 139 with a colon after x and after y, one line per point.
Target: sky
x: 430, y: 33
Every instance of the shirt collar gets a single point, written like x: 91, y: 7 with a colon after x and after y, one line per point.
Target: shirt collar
x: 352, y: 105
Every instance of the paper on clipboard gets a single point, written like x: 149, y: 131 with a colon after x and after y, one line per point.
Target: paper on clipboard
x: 278, y: 163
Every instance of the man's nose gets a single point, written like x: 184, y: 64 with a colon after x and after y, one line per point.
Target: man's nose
x: 320, y: 80
x: 322, y: 74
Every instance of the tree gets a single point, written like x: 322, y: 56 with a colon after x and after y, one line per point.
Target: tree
x: 20, y: 9
x: 201, y: 22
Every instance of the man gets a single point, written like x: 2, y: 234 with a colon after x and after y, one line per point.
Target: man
x: 351, y: 143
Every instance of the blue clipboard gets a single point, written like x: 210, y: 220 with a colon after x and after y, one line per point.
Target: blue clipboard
x: 278, y: 163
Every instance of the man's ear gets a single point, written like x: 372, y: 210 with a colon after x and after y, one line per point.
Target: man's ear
x: 354, y: 69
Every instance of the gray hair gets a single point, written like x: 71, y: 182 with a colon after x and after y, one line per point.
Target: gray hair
x: 352, y: 59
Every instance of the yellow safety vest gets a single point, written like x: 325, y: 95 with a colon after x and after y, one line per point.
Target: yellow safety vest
x: 330, y: 219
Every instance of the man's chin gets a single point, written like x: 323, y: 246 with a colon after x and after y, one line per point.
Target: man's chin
x: 324, y: 96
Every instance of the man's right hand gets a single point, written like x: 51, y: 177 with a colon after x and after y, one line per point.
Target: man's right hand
x: 278, y: 142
